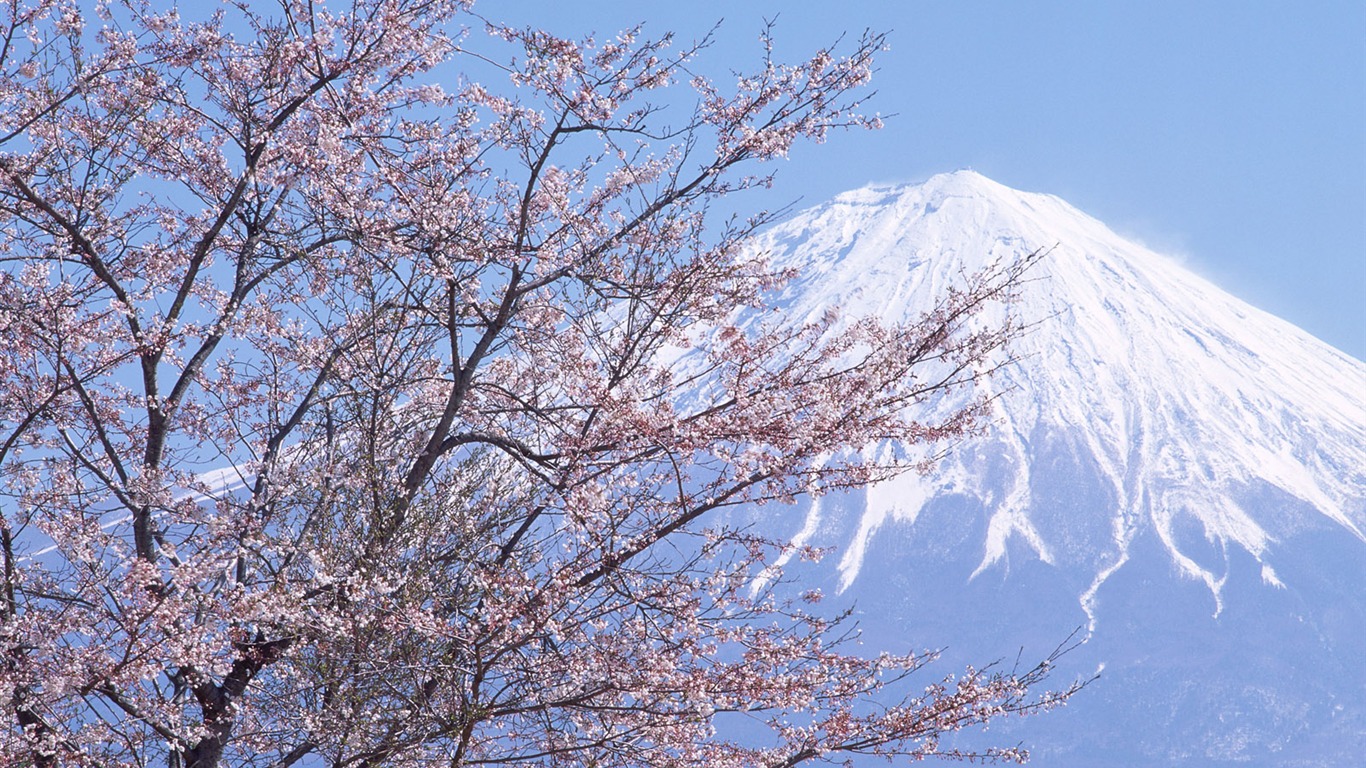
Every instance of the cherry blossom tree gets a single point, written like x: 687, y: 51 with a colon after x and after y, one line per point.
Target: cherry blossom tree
x: 373, y: 388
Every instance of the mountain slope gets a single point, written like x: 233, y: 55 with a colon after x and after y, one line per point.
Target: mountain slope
x: 1178, y: 471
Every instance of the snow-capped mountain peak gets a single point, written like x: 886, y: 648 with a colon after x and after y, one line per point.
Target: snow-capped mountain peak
x: 1184, y: 399
x: 1178, y: 470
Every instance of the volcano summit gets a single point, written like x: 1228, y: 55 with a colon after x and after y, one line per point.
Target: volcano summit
x: 1178, y: 472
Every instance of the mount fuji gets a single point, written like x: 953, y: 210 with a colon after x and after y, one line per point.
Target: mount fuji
x: 1176, y: 472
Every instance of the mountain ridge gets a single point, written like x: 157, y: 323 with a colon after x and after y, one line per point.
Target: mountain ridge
x: 1092, y: 278
x: 1182, y: 471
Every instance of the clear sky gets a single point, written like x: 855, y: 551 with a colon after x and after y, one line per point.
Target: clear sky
x: 1232, y: 134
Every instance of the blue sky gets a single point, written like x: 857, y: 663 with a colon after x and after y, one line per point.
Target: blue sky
x: 1232, y: 134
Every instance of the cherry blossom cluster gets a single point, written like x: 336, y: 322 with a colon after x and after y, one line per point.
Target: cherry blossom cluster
x: 372, y: 375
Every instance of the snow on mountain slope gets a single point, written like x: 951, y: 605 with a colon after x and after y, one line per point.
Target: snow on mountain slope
x: 1181, y: 394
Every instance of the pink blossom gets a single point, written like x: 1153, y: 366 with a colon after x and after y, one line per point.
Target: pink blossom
x: 356, y: 411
